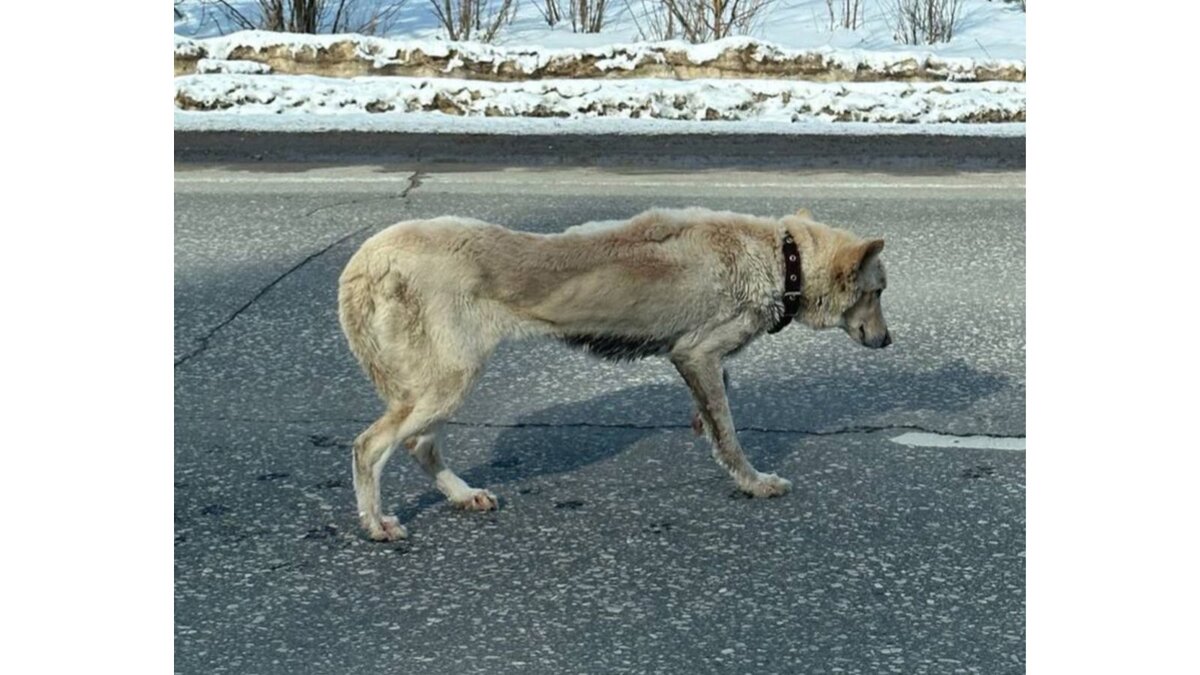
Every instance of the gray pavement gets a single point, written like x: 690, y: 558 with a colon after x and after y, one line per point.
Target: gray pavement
x: 904, y: 152
x: 620, y: 545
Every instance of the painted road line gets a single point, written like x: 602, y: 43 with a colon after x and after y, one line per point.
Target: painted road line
x: 928, y: 440
x: 436, y: 181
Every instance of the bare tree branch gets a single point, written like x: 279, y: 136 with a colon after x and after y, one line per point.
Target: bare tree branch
x: 231, y: 12
x: 312, y: 16
x: 924, y: 21
x: 473, y: 19
x: 698, y: 20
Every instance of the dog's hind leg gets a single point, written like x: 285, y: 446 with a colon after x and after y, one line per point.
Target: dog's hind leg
x: 425, y: 450
x: 416, y: 425
x: 371, y: 451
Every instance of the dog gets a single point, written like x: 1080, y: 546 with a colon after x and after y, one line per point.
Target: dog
x: 424, y: 303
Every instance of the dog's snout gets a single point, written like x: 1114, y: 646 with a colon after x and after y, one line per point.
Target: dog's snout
x: 887, y: 339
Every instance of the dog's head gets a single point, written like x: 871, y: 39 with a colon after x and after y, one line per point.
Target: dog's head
x: 863, y: 280
x: 846, y: 287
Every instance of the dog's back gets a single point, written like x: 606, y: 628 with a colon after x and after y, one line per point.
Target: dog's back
x: 648, y: 277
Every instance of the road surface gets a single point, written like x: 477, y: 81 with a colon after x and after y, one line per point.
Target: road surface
x: 620, y: 546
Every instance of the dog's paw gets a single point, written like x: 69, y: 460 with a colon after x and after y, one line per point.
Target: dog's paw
x: 387, y: 529
x: 477, y: 500
x: 767, y: 485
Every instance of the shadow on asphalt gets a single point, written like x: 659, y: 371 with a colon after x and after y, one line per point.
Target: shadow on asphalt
x: 533, y: 447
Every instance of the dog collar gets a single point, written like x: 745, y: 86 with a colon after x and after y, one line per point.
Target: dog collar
x: 793, y: 282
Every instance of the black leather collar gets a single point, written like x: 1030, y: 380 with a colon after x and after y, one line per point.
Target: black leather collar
x: 793, y: 282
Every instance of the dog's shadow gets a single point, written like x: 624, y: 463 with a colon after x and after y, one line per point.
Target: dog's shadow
x: 564, y: 438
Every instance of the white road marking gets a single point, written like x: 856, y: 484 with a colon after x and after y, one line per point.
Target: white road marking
x: 764, y: 184
x: 928, y: 440
x: 541, y: 182
x: 244, y: 179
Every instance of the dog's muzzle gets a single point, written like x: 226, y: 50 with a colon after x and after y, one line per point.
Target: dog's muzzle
x: 878, y: 343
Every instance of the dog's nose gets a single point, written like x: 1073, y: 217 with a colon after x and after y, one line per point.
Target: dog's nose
x: 887, y: 339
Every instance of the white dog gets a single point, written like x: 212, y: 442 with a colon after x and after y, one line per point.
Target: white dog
x: 424, y: 303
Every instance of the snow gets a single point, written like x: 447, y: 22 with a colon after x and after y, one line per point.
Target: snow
x: 208, y: 66
x: 707, y: 100
x: 530, y: 59
x: 245, y: 95
x: 987, y: 30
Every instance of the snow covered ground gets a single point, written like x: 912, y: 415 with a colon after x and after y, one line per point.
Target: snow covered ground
x: 796, y: 75
x: 738, y: 57
x: 708, y: 100
x: 987, y: 29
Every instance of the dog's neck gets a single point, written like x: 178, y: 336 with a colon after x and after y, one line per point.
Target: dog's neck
x: 809, y: 241
x: 793, y: 280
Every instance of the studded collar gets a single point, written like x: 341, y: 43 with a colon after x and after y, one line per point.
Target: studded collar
x: 793, y: 282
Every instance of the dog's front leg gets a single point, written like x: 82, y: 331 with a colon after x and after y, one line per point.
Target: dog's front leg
x: 703, y: 374
x: 697, y: 421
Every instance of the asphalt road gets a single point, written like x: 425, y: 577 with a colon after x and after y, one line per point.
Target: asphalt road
x: 620, y: 546
x: 786, y: 152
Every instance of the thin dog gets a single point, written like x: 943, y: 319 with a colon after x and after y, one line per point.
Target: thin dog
x: 424, y: 303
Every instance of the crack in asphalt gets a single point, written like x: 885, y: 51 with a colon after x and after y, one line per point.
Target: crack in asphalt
x: 204, y: 340
x: 856, y: 429
x: 414, y: 181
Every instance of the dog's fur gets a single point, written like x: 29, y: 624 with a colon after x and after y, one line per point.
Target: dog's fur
x: 424, y: 303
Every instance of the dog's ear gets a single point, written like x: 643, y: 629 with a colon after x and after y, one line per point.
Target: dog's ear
x: 852, y: 260
x: 804, y: 214
x: 869, y: 251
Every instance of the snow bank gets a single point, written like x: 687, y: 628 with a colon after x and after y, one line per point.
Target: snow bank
x: 209, y: 66
x: 987, y: 29
x: 736, y: 57
x: 693, y: 100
